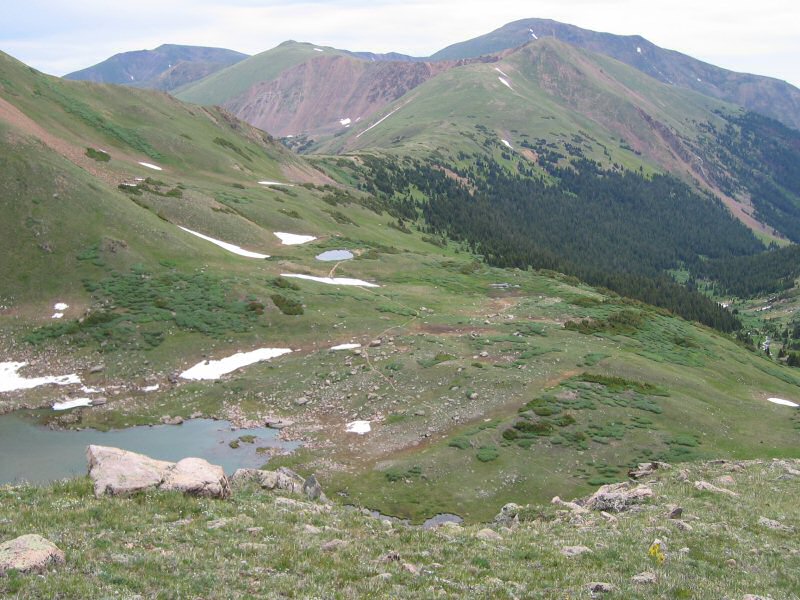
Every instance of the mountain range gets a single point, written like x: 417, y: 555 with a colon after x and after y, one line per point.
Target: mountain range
x: 165, y: 68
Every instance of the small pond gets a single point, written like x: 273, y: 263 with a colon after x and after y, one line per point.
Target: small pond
x: 331, y: 255
x: 31, y: 452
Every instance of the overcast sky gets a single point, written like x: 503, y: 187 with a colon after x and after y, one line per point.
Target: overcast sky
x: 59, y: 36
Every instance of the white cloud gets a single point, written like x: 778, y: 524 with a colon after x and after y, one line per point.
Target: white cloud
x: 759, y: 37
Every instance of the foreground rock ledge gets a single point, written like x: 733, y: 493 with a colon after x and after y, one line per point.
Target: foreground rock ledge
x: 118, y: 472
x: 29, y: 553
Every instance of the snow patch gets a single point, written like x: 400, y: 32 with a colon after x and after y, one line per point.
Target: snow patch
x: 346, y: 347
x: 501, y: 73
x: 505, y: 143
x: 700, y: 80
x: 226, y: 245
x: 60, y: 306
x: 151, y: 166
x: 783, y: 402
x: 57, y: 315
x: 292, y: 239
x: 346, y: 122
x: 638, y: 49
x: 90, y: 390
x: 359, y: 427
x: 318, y: 50
x: 11, y: 381
x: 214, y: 369
x: 505, y: 83
x: 379, y: 121
x: 72, y: 404
x: 151, y: 388
x: 267, y: 182
x: 333, y: 280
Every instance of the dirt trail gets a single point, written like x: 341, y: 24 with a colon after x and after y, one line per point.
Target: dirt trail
x: 73, y: 153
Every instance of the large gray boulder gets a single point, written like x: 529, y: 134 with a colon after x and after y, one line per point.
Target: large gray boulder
x: 29, y: 553
x: 118, y: 472
x: 197, y: 477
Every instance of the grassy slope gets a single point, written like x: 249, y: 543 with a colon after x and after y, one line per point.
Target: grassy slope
x: 558, y: 92
x: 160, y: 545
x: 232, y: 81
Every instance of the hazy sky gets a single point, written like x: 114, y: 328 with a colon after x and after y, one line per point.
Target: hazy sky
x: 59, y: 36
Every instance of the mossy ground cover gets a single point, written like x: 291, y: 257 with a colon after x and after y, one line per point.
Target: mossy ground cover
x: 161, y: 545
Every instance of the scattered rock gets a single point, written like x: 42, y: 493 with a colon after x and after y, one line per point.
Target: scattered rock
x: 29, y: 553
x: 675, y: 513
x: 254, y: 546
x: 682, y: 525
x: 301, y: 401
x: 311, y: 529
x: 644, y: 578
x: 617, y: 497
x: 278, y: 423
x: 609, y: 517
x: 683, y: 475
x: 392, y: 556
x: 572, y: 551
x: 333, y: 545
x: 312, y: 489
x: 647, y: 469
x: 413, y: 569
x: 508, y: 515
x: 167, y: 420
x: 573, y: 506
x: 484, y: 354
x: 600, y: 587
x: 241, y: 521
x: 99, y: 401
x: 755, y: 597
x: 489, y: 535
x: 772, y: 524
x: 731, y: 562
x: 96, y: 369
x: 375, y: 344
x: 704, y: 486
x: 725, y: 480
x: 281, y: 479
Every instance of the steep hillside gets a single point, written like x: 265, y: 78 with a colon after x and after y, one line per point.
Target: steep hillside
x: 768, y: 96
x: 233, y: 81
x: 550, y: 101
x: 327, y: 94
x: 165, y: 68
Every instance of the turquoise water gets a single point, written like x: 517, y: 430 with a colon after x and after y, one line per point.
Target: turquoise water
x: 332, y: 255
x: 31, y: 452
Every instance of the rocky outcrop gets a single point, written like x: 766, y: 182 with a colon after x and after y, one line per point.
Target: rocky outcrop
x: 118, y: 472
x: 29, y: 553
x: 647, y: 469
x: 281, y: 479
x: 617, y: 497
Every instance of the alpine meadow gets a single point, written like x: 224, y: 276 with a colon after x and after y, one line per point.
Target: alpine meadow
x: 518, y: 319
